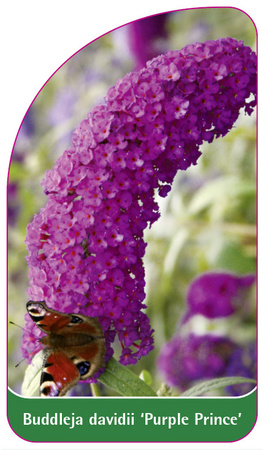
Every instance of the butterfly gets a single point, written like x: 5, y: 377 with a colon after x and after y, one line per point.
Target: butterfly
x: 75, y: 348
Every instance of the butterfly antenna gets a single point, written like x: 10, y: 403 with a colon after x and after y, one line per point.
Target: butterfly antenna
x: 13, y: 323
x: 20, y: 362
x: 30, y: 333
x: 23, y: 329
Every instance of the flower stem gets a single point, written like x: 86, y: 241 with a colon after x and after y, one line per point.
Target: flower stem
x: 95, y: 390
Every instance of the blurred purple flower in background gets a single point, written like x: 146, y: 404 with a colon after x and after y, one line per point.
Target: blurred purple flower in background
x: 147, y: 37
x: 243, y: 362
x: 27, y: 127
x: 85, y: 247
x: 13, y: 204
x: 190, y: 358
x: 62, y: 107
x: 25, y: 134
x: 216, y: 294
x: 186, y: 359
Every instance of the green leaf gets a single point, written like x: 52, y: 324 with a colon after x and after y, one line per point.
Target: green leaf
x: 223, y: 189
x: 216, y: 383
x: 31, y: 383
x: 124, y: 381
x: 232, y: 256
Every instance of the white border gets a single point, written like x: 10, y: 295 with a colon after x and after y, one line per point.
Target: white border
x: 135, y: 397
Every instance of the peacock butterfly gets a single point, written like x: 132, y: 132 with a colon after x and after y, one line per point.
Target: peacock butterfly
x: 76, y: 348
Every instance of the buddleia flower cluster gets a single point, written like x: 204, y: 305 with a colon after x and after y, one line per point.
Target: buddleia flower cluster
x: 192, y: 358
x: 218, y: 294
x: 189, y: 357
x: 86, y: 246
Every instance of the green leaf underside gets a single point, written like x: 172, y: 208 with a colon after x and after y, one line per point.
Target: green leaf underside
x: 216, y: 383
x: 124, y: 381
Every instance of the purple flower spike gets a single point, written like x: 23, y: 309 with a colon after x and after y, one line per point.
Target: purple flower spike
x: 243, y: 362
x: 191, y: 358
x: 146, y: 37
x: 216, y: 294
x: 85, y: 247
x: 186, y: 359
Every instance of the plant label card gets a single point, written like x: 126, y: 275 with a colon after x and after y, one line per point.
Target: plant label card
x: 132, y: 238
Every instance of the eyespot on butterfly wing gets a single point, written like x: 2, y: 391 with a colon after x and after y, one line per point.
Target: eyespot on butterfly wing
x: 75, y: 348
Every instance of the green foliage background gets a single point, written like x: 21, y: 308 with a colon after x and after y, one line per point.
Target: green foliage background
x: 208, y: 222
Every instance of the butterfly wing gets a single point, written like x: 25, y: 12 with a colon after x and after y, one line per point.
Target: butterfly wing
x: 47, y: 319
x: 59, y: 374
x: 85, y: 344
x: 76, y: 348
